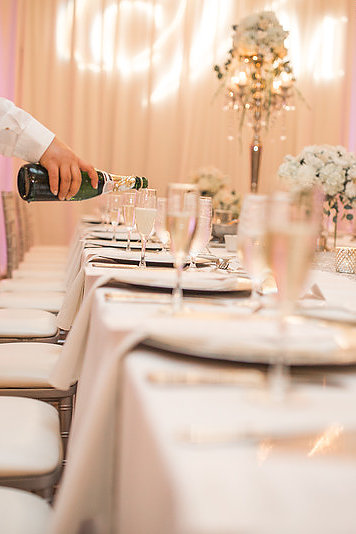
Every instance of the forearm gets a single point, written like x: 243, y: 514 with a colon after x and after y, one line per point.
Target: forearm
x: 20, y: 134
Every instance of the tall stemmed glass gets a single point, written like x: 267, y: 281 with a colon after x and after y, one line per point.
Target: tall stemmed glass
x: 161, y: 222
x: 129, y: 199
x: 145, y: 213
x: 251, y: 234
x: 105, y: 212
x: 182, y: 214
x: 293, y: 222
x: 115, y: 211
x: 203, y: 231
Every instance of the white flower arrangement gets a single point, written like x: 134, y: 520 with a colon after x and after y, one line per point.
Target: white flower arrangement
x: 211, y: 182
x: 256, y: 71
x: 260, y: 33
x: 330, y: 167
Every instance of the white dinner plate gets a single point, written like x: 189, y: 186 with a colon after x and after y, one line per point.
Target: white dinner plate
x: 253, y: 339
x: 121, y: 235
x: 121, y: 244
x: 194, y: 281
x: 92, y: 219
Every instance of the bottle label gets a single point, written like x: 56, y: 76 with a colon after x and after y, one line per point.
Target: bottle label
x: 113, y: 182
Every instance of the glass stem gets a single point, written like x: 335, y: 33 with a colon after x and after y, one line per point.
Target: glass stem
x: 128, y: 239
x: 177, y: 295
x: 143, y: 252
x: 279, y: 377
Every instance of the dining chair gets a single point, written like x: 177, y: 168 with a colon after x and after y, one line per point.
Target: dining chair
x: 22, y: 295
x: 23, y: 512
x: 30, y: 445
x: 24, y: 372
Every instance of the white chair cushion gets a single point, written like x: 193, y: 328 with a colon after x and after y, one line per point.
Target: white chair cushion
x: 30, y: 442
x: 49, y: 254
x: 32, y: 284
x: 27, y: 365
x: 27, y: 323
x: 40, y: 273
x: 41, y: 300
x: 23, y: 512
x: 42, y: 265
x: 49, y: 248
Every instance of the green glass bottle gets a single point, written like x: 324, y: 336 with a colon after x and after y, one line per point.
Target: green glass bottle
x: 33, y: 184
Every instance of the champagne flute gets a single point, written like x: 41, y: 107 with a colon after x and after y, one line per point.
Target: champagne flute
x: 129, y: 199
x: 251, y: 240
x: 161, y: 222
x: 182, y: 214
x: 115, y: 206
x: 145, y: 213
x: 203, y: 231
x: 293, y: 222
x: 105, y: 211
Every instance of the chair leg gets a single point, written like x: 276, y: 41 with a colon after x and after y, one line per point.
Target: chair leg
x: 46, y: 493
x: 65, y: 409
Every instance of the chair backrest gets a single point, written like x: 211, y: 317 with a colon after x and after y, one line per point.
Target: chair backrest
x: 25, y: 225
x: 11, y: 230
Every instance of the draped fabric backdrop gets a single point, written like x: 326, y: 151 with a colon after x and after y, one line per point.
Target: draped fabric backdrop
x: 130, y: 86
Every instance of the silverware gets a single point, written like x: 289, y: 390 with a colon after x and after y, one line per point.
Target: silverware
x: 195, y: 435
x: 112, y: 265
x: 141, y: 298
x: 193, y: 378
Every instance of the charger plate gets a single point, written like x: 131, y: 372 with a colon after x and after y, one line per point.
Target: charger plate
x: 253, y: 339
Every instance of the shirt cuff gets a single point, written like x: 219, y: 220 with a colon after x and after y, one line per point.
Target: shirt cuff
x: 33, y: 141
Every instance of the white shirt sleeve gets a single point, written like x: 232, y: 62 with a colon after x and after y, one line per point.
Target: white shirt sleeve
x: 20, y: 134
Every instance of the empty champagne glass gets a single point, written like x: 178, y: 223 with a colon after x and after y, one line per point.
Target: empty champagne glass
x: 161, y: 222
x: 293, y: 222
x: 203, y: 231
x: 182, y: 214
x: 145, y: 213
x: 105, y: 211
x: 129, y: 199
x: 251, y: 233
x: 115, y: 209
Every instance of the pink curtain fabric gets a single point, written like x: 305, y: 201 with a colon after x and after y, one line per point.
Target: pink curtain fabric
x: 129, y: 85
x: 8, y: 22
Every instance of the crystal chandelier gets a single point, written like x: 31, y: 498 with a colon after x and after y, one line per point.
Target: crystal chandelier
x: 258, y: 78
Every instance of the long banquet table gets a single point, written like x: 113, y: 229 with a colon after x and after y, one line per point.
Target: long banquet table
x: 168, y: 443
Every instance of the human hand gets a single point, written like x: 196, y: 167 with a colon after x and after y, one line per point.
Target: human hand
x: 60, y: 160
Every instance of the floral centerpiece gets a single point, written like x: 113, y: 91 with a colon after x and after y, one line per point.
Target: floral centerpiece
x: 330, y: 167
x: 213, y: 183
x: 257, y: 77
x: 258, y: 38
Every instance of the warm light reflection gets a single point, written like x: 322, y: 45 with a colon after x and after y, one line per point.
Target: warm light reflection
x: 263, y: 451
x: 326, y: 440
x: 100, y: 40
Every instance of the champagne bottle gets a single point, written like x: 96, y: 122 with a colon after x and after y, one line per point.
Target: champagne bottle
x: 33, y: 184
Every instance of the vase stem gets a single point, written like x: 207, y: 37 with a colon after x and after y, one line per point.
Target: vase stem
x: 335, y: 232
x: 256, y: 151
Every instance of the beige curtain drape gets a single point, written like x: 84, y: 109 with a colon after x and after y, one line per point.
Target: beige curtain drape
x: 129, y: 85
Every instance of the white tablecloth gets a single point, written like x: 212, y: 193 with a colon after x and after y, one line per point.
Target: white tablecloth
x: 128, y: 473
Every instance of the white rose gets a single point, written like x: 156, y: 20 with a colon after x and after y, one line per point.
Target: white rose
x: 350, y: 190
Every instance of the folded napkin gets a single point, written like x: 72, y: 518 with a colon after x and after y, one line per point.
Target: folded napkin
x: 191, y: 280
x: 251, y: 339
x: 127, y: 255
x: 336, y: 288
x: 135, y: 245
x: 121, y: 233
